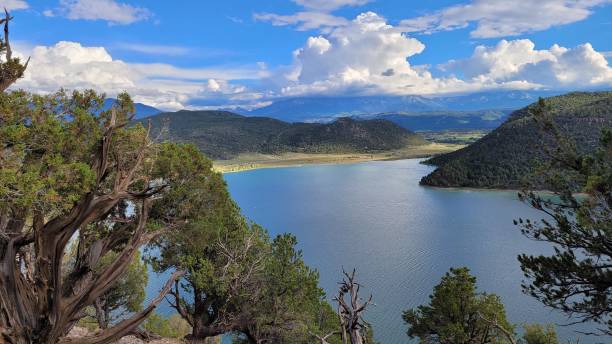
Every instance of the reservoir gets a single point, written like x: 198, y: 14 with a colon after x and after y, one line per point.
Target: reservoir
x: 401, y: 237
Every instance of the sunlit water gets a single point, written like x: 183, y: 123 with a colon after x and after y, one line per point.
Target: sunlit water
x: 401, y: 237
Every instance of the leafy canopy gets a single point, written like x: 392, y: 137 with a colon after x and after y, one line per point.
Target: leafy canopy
x: 458, y: 314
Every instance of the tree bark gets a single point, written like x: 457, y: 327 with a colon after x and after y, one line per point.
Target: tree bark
x: 44, y: 307
x: 126, y: 326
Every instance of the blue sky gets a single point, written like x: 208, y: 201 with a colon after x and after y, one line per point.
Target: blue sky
x: 249, y: 53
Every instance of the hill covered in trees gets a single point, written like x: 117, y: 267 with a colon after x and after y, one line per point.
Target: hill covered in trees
x: 223, y: 135
x: 510, y: 155
x: 445, y: 120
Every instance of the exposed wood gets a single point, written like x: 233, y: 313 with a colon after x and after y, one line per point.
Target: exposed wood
x: 39, y: 302
x: 10, y: 69
x: 493, y: 322
x: 126, y: 326
x: 350, y: 313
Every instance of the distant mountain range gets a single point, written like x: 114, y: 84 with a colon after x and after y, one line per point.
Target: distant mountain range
x: 477, y: 111
x: 223, y: 135
x: 142, y: 110
x: 445, y: 120
x: 508, y: 156
x: 317, y: 109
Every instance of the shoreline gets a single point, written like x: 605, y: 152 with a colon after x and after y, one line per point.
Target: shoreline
x: 255, y: 161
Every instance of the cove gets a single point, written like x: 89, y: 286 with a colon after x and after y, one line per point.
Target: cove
x: 401, y: 237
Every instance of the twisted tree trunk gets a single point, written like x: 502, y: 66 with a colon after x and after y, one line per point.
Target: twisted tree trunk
x: 351, y: 313
x: 39, y: 302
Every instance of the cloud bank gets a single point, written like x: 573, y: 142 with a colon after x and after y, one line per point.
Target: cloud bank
x: 369, y: 56
x: 557, y: 66
x: 73, y: 66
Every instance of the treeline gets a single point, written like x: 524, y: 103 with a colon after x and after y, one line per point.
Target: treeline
x: 224, y: 135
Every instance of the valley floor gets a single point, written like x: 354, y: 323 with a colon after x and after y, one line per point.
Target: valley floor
x: 253, y: 161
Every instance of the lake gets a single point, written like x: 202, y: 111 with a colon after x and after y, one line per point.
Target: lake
x: 401, y: 237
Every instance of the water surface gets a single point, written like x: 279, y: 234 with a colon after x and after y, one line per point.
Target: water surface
x: 401, y: 237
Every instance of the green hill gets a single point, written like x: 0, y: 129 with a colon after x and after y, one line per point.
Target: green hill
x: 223, y: 135
x: 508, y: 156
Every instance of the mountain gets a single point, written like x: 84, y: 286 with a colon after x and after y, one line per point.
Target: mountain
x: 326, y: 108
x: 317, y: 109
x: 507, y: 157
x: 445, y: 120
x: 142, y: 110
x: 223, y: 135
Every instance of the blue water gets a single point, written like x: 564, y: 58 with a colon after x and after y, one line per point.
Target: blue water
x: 401, y: 237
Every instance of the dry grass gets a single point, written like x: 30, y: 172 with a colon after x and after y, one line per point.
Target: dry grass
x: 252, y: 161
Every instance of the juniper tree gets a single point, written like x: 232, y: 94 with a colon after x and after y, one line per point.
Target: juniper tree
x: 458, y: 314
x: 236, y: 279
x: 290, y: 302
x: 353, y: 328
x: 577, y: 277
x: 222, y: 256
x: 125, y: 297
x: 11, y: 68
x: 67, y: 170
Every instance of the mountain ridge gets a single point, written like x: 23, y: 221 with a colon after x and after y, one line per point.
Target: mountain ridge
x: 326, y: 108
x: 223, y: 134
x: 505, y: 157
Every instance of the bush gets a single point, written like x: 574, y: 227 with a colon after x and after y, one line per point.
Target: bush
x: 538, y: 334
x: 171, y: 327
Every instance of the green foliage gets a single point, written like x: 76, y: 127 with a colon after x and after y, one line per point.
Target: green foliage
x: 236, y: 280
x: 11, y: 67
x: 171, y: 327
x: 223, y: 135
x: 124, y: 297
x: 458, y: 314
x: 89, y: 322
x: 512, y: 155
x: 70, y: 169
x: 539, y: 334
x: 290, y: 304
x: 47, y: 142
x: 127, y: 294
x: 576, y: 278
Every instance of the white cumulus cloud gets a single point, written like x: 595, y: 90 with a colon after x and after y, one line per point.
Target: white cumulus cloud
x: 370, y: 56
x: 73, y: 66
x: 500, y: 18
x: 558, y: 66
x: 366, y: 56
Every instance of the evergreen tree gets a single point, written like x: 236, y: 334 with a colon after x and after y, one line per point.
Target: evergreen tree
x: 11, y: 68
x: 577, y: 277
x: 538, y: 334
x: 126, y: 296
x: 69, y: 169
x: 458, y: 314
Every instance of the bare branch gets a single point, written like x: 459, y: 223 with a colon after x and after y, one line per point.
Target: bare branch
x: 126, y: 326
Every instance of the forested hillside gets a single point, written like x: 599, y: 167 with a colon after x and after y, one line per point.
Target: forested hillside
x: 509, y: 156
x: 445, y: 120
x: 223, y: 135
